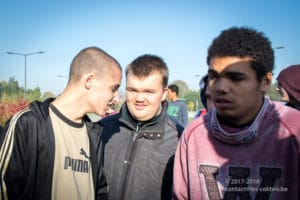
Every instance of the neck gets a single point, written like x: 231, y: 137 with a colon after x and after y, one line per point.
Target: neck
x: 70, y: 105
x: 232, y: 123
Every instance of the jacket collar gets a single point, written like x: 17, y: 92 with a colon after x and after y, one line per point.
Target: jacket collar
x: 249, y: 134
x: 41, y: 109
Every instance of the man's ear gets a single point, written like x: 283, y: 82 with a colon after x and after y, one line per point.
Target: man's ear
x: 165, y: 93
x: 87, y: 80
x: 266, y: 82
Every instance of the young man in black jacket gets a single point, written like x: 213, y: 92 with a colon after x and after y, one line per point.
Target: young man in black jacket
x: 140, y: 141
x: 51, y: 150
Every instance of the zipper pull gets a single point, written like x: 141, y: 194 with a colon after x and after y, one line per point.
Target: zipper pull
x: 138, y: 125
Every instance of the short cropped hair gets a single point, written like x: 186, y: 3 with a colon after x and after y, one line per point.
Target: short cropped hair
x: 244, y: 42
x: 146, y: 64
x: 174, y: 88
x: 91, y: 59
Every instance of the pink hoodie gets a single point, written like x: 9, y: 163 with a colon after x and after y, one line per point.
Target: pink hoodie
x: 261, y: 162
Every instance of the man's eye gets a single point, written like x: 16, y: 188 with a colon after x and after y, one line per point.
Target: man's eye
x: 150, y: 92
x: 211, y: 76
x: 115, y: 89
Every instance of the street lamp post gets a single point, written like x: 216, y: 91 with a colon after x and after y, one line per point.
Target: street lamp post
x: 25, y: 59
x: 62, y: 76
x: 279, y: 47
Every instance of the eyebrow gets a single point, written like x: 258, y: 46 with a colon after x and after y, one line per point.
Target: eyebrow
x: 141, y: 90
x: 235, y: 74
x: 228, y: 73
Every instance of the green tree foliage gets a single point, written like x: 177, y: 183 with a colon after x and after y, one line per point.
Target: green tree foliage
x: 272, y: 93
x: 11, y: 91
x: 12, y: 98
x: 193, y: 100
x: 34, y: 94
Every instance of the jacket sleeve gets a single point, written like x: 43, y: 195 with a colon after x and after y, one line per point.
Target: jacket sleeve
x: 13, y: 178
x: 101, y: 188
x: 181, y: 171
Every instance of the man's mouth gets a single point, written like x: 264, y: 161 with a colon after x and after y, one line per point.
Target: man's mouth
x: 222, y: 103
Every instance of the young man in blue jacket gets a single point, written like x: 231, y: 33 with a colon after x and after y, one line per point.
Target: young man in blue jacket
x: 177, y: 108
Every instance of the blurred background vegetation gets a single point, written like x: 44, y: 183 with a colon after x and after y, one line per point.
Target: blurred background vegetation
x: 12, y: 97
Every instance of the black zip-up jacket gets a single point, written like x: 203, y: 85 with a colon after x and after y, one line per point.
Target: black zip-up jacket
x: 28, y: 169
x: 138, y: 156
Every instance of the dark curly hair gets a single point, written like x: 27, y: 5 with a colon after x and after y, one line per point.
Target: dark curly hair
x: 244, y: 42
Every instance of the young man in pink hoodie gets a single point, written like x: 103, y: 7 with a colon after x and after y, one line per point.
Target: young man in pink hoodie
x: 248, y: 147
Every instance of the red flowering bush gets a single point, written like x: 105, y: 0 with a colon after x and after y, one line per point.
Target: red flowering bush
x: 8, y: 108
